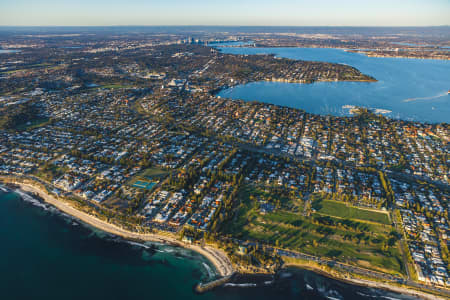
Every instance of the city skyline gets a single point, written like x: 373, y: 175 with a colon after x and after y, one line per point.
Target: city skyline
x: 231, y: 13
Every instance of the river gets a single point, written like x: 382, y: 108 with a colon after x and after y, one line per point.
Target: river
x: 409, y: 89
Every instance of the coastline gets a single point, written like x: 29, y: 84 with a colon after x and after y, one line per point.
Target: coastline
x: 346, y: 49
x: 367, y: 283
x: 383, y: 55
x: 217, y: 257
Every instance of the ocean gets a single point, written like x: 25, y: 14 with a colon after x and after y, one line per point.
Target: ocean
x: 46, y: 254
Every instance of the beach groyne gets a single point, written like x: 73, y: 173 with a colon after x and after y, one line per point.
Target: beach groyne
x: 204, y: 287
x: 216, y: 256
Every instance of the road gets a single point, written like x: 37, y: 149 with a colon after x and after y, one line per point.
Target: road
x: 350, y: 268
x: 323, y: 261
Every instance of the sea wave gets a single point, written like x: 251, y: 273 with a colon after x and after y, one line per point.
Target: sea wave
x: 230, y: 284
x: 167, y: 250
x: 38, y: 203
x: 138, y: 244
x: 46, y: 207
x: 365, y: 295
x: 330, y: 294
x: 285, y: 275
x: 27, y: 198
x: 208, y: 269
x: 389, y: 298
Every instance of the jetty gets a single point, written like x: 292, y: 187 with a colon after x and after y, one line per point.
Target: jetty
x: 204, y: 287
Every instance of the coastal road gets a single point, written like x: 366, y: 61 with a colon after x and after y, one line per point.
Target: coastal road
x: 383, y: 277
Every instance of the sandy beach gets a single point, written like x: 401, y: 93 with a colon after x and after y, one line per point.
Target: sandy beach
x: 216, y: 256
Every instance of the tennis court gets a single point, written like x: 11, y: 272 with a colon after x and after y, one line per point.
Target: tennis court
x: 144, y: 184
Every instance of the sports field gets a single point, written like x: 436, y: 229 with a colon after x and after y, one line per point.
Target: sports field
x: 360, y: 241
x: 341, y: 210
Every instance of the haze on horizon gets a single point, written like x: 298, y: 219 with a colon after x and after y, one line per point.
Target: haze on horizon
x: 219, y: 12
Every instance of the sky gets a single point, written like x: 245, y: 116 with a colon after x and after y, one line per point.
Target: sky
x: 225, y: 12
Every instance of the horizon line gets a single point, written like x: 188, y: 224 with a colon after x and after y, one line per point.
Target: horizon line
x: 199, y: 25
